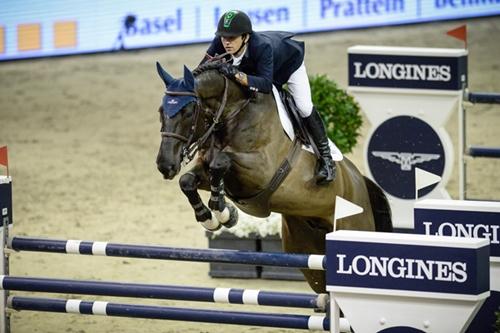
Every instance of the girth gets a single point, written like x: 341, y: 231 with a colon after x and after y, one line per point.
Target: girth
x: 258, y: 204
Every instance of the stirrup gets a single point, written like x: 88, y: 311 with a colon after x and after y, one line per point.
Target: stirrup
x: 328, y: 167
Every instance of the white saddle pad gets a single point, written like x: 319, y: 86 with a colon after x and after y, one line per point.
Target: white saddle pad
x: 288, y: 128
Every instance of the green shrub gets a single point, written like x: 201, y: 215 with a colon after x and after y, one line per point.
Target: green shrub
x: 340, y: 112
x: 497, y: 321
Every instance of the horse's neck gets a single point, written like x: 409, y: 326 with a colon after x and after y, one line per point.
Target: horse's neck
x: 257, y: 126
x: 257, y: 145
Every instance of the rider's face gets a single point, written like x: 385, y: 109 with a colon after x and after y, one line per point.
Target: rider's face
x: 232, y: 44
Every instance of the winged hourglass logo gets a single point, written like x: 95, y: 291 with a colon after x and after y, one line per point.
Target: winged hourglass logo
x: 404, y: 159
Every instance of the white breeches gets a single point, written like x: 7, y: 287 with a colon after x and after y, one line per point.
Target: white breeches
x: 298, y: 85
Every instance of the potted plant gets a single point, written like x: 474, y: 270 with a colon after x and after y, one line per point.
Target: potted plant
x: 340, y: 112
x: 497, y: 321
x: 251, y: 234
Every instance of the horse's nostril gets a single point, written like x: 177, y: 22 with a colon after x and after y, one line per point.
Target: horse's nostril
x: 167, y: 169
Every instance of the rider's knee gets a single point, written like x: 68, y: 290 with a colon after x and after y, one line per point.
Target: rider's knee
x: 304, y: 106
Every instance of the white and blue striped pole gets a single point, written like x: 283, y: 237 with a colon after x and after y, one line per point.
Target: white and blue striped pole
x: 183, y: 293
x: 313, y: 322
x: 5, y: 223
x: 304, y: 261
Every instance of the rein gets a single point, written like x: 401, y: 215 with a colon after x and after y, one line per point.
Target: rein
x: 216, y: 117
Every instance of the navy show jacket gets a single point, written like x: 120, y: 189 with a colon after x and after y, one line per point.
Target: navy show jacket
x: 271, y: 57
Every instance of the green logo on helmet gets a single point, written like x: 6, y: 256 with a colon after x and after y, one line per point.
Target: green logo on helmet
x: 228, y: 18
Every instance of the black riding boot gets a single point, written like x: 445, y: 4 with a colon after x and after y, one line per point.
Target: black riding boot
x: 325, y: 168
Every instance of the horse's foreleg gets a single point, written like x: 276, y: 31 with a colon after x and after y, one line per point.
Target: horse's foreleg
x: 189, y: 186
x: 225, y: 212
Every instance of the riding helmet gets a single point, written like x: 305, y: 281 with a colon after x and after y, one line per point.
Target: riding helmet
x: 234, y: 23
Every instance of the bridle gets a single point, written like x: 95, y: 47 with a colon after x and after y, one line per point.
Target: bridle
x: 191, y: 146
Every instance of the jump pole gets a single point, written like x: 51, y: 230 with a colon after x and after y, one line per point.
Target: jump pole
x: 467, y: 152
x: 182, y: 293
x: 314, y: 322
x: 317, y: 262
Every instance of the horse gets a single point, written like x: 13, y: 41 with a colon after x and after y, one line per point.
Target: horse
x: 244, y: 154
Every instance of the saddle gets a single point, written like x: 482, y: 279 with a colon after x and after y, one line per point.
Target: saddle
x: 301, y: 132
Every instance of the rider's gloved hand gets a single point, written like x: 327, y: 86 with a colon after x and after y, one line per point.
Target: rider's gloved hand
x: 228, y: 70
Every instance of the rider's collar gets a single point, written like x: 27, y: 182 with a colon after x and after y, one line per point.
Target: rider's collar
x: 237, y: 60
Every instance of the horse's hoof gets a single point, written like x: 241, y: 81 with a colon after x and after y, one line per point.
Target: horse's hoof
x: 211, y: 225
x: 233, y: 217
x: 223, y: 216
x: 322, y: 303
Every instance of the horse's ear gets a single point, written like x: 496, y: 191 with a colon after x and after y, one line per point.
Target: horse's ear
x: 188, y: 78
x: 164, y: 75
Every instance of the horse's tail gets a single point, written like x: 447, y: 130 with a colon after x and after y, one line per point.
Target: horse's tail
x: 380, y: 207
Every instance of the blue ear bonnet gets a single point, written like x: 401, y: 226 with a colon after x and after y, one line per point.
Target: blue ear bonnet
x: 172, y: 104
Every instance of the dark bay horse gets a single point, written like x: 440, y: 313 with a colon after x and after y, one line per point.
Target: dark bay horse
x: 244, y: 154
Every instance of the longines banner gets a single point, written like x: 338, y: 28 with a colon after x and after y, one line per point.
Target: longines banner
x: 392, y: 71
x: 405, y: 262
x: 460, y: 218
x: 417, y: 282
x: 407, y: 267
x: 39, y: 28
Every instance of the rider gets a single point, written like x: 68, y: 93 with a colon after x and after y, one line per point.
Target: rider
x: 260, y: 59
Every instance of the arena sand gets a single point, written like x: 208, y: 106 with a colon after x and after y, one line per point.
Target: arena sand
x: 83, y: 134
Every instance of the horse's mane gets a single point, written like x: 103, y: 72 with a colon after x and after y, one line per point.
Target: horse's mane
x: 214, y: 64
x: 207, y: 66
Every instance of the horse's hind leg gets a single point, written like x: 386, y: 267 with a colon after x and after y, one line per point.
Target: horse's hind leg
x: 306, y: 235
x: 225, y: 212
x: 189, y: 186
